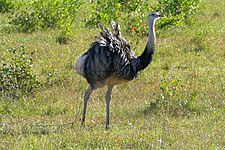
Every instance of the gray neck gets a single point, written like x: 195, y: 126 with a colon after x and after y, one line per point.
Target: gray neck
x: 151, y: 37
x: 146, y: 57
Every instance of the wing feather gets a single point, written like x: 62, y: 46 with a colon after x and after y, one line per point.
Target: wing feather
x: 109, y: 53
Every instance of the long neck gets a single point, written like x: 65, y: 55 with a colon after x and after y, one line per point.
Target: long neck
x: 146, y: 57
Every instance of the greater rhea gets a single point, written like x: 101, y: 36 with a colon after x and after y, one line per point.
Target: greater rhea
x: 110, y: 61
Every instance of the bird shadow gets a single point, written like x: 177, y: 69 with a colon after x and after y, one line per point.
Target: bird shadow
x: 149, y: 110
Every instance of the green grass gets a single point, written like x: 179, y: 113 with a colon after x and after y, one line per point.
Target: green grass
x: 50, y: 118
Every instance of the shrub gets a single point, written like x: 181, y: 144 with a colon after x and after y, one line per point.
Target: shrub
x: 124, y: 11
x: 103, y: 12
x: 136, y: 19
x: 42, y: 14
x: 132, y: 14
x: 176, y: 12
x: 176, y: 99
x: 5, y: 5
x: 16, y: 76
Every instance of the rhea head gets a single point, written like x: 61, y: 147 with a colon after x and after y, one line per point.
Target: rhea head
x: 153, y: 16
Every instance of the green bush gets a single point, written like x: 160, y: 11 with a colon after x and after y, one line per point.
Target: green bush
x: 177, y: 98
x: 16, y: 76
x: 5, y: 5
x: 104, y: 11
x: 132, y: 14
x: 127, y: 12
x: 136, y: 17
x: 176, y: 12
x: 42, y: 14
x: 60, y: 14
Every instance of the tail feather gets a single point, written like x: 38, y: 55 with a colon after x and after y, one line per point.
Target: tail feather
x: 80, y: 64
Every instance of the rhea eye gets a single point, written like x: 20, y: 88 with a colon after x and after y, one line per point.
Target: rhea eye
x: 152, y: 14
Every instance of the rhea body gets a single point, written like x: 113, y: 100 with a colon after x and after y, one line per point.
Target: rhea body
x: 110, y: 61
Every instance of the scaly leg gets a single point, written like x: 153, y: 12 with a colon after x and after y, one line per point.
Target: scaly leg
x: 108, y: 98
x: 86, y: 97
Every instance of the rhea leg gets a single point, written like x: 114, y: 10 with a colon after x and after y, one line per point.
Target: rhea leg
x: 108, y: 98
x: 86, y: 97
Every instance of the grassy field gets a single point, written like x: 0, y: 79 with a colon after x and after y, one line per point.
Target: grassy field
x: 189, y: 64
